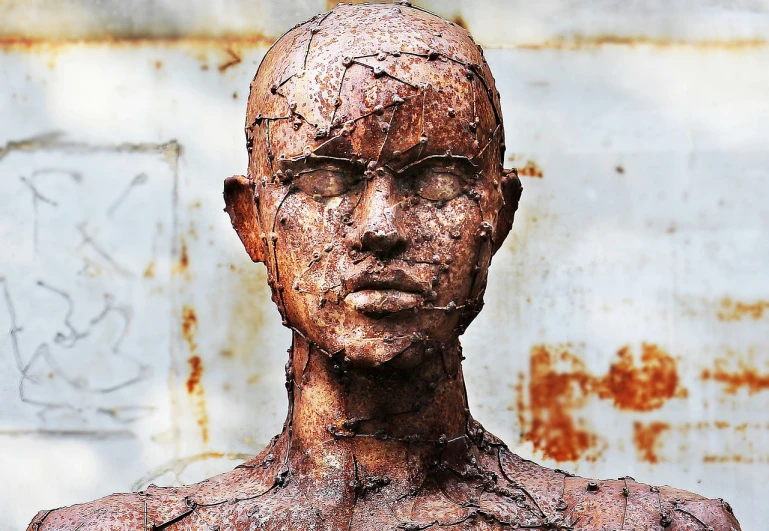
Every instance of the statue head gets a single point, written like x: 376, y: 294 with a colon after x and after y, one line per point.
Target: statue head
x: 375, y: 193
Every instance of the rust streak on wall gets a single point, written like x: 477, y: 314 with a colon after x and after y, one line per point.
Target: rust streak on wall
x: 149, y: 272
x: 579, y: 42
x: 184, y: 260
x: 48, y: 43
x: 531, y: 169
x: 746, y: 376
x: 646, y: 439
x: 44, y: 44
x: 739, y: 310
x: 560, y: 384
x: 194, y: 381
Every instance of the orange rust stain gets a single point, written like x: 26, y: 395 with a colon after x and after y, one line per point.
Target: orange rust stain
x: 531, y: 169
x: 234, y: 58
x: 194, y: 381
x: 184, y: 260
x: 189, y: 327
x: 643, y: 388
x: 646, y: 438
x: 46, y: 43
x: 552, y: 398
x: 746, y: 376
x: 597, y: 41
x: 149, y: 272
x: 196, y: 371
x: 737, y: 458
x: 158, y: 64
x: 560, y: 384
x: 737, y: 310
x: 36, y: 44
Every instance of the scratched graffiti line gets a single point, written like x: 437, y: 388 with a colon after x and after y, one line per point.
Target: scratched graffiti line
x: 38, y: 197
x: 42, y: 356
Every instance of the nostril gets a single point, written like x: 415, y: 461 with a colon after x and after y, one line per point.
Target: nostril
x: 379, y: 240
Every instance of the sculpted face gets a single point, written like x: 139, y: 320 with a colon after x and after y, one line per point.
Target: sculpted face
x: 375, y: 195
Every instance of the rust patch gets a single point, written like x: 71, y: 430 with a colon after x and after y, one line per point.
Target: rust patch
x: 234, y: 59
x: 745, y: 376
x: 196, y: 371
x: 643, y: 388
x: 189, y: 327
x: 194, y: 381
x: 531, y: 169
x: 646, y: 440
x: 738, y: 310
x: 47, y: 44
x: 149, y: 272
x: 736, y: 458
x: 579, y: 42
x: 619, y: 169
x: 560, y: 384
x: 553, y: 396
x: 184, y: 260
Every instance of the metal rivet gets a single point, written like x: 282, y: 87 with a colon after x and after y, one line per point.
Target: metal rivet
x: 592, y: 487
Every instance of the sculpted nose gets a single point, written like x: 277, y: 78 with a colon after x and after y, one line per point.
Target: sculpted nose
x: 380, y: 229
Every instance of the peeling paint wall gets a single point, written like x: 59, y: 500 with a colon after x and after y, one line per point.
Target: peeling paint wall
x: 627, y: 316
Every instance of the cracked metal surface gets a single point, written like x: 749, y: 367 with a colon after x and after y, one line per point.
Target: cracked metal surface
x: 376, y: 198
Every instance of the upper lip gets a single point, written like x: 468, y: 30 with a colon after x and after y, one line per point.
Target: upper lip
x: 387, y: 278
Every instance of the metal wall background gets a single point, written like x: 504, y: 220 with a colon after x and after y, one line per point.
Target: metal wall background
x: 627, y: 316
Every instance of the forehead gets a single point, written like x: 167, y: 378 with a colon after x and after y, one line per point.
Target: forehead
x: 375, y: 84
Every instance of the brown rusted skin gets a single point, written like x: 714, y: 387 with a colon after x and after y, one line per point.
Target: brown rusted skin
x: 376, y: 198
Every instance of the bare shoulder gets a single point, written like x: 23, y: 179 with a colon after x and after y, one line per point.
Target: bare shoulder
x: 578, y: 503
x: 156, y: 507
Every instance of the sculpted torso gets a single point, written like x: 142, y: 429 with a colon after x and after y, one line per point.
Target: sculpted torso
x: 376, y: 199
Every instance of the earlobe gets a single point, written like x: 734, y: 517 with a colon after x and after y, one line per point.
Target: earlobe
x: 511, y: 189
x: 240, y: 204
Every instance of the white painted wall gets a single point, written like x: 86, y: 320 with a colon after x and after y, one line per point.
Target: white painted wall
x: 650, y: 212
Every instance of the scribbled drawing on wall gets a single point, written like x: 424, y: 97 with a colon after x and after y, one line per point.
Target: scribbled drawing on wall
x: 69, y: 292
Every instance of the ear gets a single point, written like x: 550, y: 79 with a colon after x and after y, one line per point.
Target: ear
x: 240, y: 204
x: 511, y: 188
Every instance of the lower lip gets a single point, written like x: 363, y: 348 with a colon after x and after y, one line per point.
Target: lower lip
x: 377, y: 302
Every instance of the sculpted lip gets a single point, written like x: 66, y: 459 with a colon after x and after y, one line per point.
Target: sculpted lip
x: 384, y: 292
x: 386, y: 279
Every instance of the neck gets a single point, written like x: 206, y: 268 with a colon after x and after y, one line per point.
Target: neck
x: 382, y: 423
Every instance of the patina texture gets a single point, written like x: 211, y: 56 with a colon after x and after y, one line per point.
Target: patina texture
x: 376, y: 198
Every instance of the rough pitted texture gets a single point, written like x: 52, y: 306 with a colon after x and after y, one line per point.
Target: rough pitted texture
x: 376, y: 198
x: 499, y: 491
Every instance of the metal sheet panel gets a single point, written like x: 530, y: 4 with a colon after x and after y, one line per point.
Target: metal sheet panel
x: 627, y: 315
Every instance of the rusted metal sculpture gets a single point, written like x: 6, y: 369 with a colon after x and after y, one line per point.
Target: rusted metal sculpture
x: 376, y: 198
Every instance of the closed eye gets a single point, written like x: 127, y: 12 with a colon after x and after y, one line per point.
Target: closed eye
x: 325, y: 182
x: 437, y: 184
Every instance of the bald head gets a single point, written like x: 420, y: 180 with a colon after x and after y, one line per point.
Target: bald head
x: 376, y: 195
x: 383, y: 83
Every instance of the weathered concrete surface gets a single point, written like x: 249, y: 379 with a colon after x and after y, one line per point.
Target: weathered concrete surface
x: 638, y: 257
